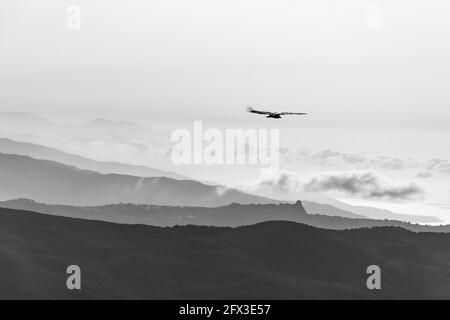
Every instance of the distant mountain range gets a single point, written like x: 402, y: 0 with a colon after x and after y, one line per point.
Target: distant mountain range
x: 328, y: 210
x: 53, y: 182
x: 126, y: 185
x: 45, y: 153
x: 339, y: 208
x: 98, y: 138
x: 23, y: 123
x: 233, y: 215
x: 271, y: 260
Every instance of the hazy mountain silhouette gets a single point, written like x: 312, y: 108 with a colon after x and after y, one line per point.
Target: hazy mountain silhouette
x: 40, y: 152
x: 233, y: 215
x: 84, y: 137
x: 21, y: 122
x: 271, y: 260
x: 53, y: 182
x: 46, y: 153
x: 368, y: 212
x: 328, y: 210
x: 377, y: 213
x: 99, y: 126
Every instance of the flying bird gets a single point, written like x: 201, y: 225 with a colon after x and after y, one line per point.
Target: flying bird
x: 274, y: 115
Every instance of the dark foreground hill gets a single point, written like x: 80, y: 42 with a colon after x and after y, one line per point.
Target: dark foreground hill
x: 233, y: 215
x: 271, y: 260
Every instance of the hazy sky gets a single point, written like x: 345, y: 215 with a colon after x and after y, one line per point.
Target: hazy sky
x: 350, y: 62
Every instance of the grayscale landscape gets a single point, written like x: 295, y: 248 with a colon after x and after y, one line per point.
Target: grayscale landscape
x: 269, y: 260
x: 224, y: 150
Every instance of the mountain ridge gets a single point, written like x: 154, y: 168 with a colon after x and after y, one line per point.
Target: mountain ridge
x: 40, y: 152
x: 232, y: 215
x: 52, y: 182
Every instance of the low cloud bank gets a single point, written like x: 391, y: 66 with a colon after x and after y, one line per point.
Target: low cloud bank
x: 369, y: 185
x: 285, y: 182
x: 360, y: 184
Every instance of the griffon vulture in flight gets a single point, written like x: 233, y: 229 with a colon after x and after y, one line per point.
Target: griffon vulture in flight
x: 275, y: 115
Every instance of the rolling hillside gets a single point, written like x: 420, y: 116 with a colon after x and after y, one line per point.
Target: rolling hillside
x: 271, y: 260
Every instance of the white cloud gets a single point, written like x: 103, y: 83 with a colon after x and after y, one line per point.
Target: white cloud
x: 284, y: 182
x: 365, y: 184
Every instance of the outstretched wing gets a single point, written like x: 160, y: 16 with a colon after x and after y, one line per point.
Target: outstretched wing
x: 292, y: 113
x: 250, y: 109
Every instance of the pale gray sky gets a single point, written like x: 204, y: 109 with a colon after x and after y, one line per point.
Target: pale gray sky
x: 208, y: 59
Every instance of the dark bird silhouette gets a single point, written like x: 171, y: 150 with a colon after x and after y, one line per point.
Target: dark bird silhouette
x: 274, y: 115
